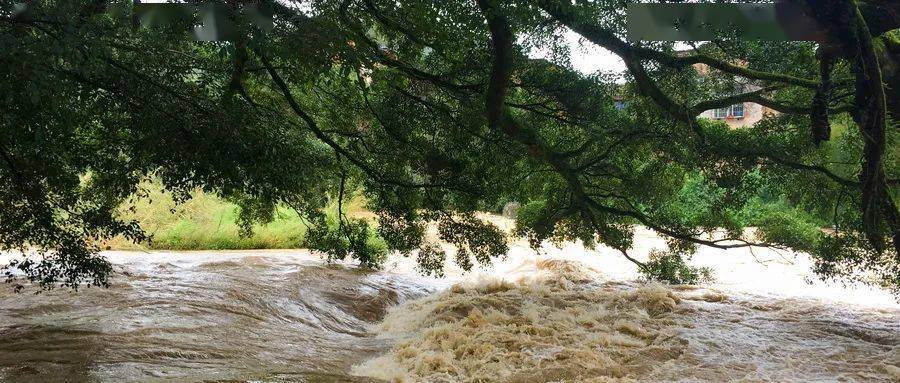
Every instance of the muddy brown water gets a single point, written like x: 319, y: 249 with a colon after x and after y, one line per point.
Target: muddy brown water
x: 271, y: 317
x: 188, y: 319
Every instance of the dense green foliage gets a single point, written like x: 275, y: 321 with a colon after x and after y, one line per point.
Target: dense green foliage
x: 673, y: 268
x: 436, y: 110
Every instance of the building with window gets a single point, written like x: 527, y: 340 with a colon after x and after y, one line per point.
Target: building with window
x: 737, y: 115
x: 741, y: 114
x: 619, y: 102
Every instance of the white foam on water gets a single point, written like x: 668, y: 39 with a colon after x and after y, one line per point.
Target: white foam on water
x: 569, y: 314
x: 560, y: 314
x: 551, y: 325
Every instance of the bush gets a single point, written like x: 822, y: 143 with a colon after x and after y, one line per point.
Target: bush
x: 670, y: 267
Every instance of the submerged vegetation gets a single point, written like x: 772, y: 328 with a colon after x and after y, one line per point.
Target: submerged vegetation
x: 435, y: 111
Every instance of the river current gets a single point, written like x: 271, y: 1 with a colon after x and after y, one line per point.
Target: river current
x: 559, y: 315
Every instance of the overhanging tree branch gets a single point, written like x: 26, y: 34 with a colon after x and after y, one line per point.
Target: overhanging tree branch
x: 501, y: 119
x: 567, y: 15
x: 322, y: 136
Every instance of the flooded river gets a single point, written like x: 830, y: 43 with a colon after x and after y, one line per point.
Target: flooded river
x: 560, y: 315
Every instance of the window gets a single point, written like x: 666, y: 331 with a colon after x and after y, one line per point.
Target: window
x: 737, y: 110
x: 720, y: 113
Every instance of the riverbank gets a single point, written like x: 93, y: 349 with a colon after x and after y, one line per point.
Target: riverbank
x: 204, y: 222
x: 207, y: 222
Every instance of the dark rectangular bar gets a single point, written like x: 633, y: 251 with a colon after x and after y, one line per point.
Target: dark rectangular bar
x: 781, y: 21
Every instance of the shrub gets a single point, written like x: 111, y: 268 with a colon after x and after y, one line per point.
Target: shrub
x: 670, y: 267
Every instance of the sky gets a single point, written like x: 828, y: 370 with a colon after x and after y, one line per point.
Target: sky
x: 588, y: 58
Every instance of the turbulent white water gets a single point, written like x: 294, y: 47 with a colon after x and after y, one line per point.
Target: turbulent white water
x: 561, y: 315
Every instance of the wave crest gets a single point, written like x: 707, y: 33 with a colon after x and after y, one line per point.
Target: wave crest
x: 552, y: 324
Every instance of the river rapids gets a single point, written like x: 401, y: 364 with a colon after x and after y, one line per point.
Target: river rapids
x: 556, y: 315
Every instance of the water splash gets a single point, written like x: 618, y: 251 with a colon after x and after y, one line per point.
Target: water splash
x: 555, y: 325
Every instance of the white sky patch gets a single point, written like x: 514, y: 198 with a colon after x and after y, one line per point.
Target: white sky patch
x: 589, y: 58
x: 585, y: 56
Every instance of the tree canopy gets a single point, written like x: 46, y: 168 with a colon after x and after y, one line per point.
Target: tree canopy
x: 436, y: 110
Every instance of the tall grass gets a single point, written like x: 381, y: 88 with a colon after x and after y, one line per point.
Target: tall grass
x: 205, y: 222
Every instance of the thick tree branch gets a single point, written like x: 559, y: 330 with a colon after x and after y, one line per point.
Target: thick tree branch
x: 703, y: 106
x: 877, y: 203
x: 880, y: 15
